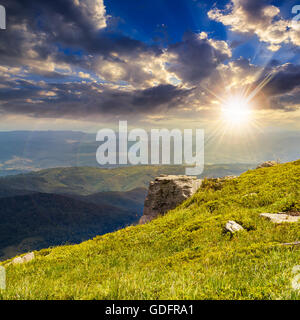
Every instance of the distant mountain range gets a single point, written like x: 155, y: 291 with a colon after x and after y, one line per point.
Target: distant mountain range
x: 68, y: 205
x: 38, y: 220
x: 26, y: 151
x: 52, y: 219
x: 89, y: 180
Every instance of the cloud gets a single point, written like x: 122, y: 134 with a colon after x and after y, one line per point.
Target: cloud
x: 87, y: 100
x: 52, y: 32
x: 71, y: 41
x: 273, y: 87
x: 286, y: 78
x: 196, y: 57
x: 93, y: 10
x: 261, y: 18
x: 63, y: 59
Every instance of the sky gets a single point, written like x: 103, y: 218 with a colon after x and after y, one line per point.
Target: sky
x: 86, y: 64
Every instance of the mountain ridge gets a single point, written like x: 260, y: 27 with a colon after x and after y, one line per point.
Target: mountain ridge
x: 52, y: 219
x: 89, y: 180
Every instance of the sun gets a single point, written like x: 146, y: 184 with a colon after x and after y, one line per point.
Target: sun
x: 236, y: 111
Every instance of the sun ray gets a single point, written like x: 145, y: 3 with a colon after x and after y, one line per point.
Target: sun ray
x: 262, y: 84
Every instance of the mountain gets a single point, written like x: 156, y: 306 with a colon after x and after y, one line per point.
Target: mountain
x: 31, y: 222
x: 34, y: 150
x: 89, y: 180
x: 27, y: 199
x: 131, y: 200
x: 25, y: 151
x: 6, y: 191
x: 185, y: 254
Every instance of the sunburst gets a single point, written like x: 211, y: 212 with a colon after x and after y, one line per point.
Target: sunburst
x: 236, y: 111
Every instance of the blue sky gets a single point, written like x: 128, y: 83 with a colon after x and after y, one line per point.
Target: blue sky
x: 149, y: 19
x: 146, y: 20
x: 79, y: 64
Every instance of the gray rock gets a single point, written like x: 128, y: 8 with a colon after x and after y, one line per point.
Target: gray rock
x: 280, y: 217
x: 267, y: 164
x: 166, y: 192
x: 28, y: 257
x: 252, y: 194
x: 232, y: 226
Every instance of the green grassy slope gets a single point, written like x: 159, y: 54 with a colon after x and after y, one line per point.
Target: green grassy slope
x: 185, y: 254
x: 89, y: 180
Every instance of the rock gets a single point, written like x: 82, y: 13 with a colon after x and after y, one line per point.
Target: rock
x: 28, y: 257
x: 252, y: 194
x: 145, y: 219
x: 267, y: 164
x: 280, y: 217
x: 232, y: 226
x: 166, y: 192
x: 296, y: 243
x: 228, y: 178
x: 217, y: 183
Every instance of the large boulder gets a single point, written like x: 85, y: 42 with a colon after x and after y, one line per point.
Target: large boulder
x: 166, y: 192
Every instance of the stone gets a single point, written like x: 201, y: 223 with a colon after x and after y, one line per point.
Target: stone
x: 252, y: 194
x: 229, y: 178
x: 232, y: 226
x: 166, y: 192
x: 267, y: 164
x: 28, y: 257
x: 280, y: 217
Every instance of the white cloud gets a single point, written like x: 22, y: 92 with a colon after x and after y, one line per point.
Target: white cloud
x: 257, y: 18
x: 93, y: 10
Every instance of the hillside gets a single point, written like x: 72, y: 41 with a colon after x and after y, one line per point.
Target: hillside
x: 6, y: 191
x: 185, y: 254
x: 131, y: 200
x: 36, y: 221
x: 89, y: 180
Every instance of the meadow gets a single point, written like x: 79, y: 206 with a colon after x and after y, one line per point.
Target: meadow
x: 185, y: 254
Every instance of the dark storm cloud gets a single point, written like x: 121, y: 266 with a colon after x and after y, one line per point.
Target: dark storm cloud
x: 285, y: 79
x: 77, y: 100
x: 281, y: 89
x: 196, y: 58
x: 48, y: 27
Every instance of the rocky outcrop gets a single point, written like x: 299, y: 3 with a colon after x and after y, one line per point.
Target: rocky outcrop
x: 281, y: 217
x: 28, y: 257
x: 267, y: 164
x: 166, y: 192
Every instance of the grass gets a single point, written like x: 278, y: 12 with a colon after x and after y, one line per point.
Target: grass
x: 184, y: 255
